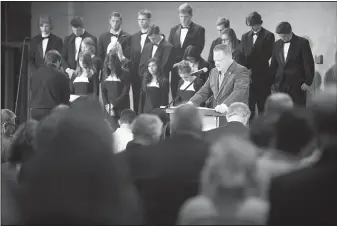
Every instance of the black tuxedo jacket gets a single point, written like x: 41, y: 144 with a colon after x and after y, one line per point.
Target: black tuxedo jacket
x: 105, y: 39
x: 135, y: 51
x: 210, y: 56
x: 69, y: 51
x: 297, y: 69
x: 164, y: 54
x: 307, y: 196
x: 257, y: 55
x: 231, y: 128
x: 195, y: 37
x: 36, y: 59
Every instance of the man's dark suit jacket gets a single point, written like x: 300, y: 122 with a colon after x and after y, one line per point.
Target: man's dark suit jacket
x: 36, y: 59
x: 195, y: 37
x: 231, y: 128
x: 307, y: 196
x: 164, y: 54
x: 50, y: 87
x: 167, y: 174
x: 135, y: 51
x: 105, y: 39
x: 69, y: 51
x: 289, y: 74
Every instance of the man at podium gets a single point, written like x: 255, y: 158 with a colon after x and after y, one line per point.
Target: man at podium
x: 228, y: 82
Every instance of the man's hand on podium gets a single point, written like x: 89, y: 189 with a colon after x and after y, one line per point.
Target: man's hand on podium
x: 190, y: 103
x: 221, y: 108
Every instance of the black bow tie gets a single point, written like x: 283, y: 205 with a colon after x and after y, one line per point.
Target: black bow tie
x: 286, y: 42
x: 256, y: 33
x: 115, y: 35
x: 185, y: 27
x: 143, y: 33
x: 45, y: 37
x: 155, y: 44
x: 79, y: 36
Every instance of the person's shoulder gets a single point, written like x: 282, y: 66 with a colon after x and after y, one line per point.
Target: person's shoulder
x: 55, y: 37
x: 67, y: 37
x: 240, y: 68
x: 104, y: 35
x: 175, y: 27
x: 124, y: 34
x: 245, y: 34
x: 198, y: 26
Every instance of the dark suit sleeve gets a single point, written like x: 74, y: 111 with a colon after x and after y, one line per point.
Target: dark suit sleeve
x: 170, y: 39
x: 201, y: 39
x: 270, y: 40
x: 165, y: 93
x: 59, y: 45
x: 104, y: 94
x: 168, y: 60
x: 65, y: 53
x: 125, y: 91
x: 144, y: 59
x: 203, y: 94
x: 308, y: 62
x: 127, y: 47
x: 210, y: 56
x: 61, y: 85
x: 100, y: 48
x: 32, y: 51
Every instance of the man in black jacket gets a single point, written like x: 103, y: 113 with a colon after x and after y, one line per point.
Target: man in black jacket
x: 181, y: 36
x: 50, y: 86
x: 42, y: 43
x: 72, y: 45
x: 257, y: 46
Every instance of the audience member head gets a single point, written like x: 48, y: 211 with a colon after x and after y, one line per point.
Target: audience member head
x: 77, y: 25
x: 184, y: 70
x: 284, y: 31
x: 277, y: 103
x: 146, y: 129
x: 186, y: 120
x: 230, y: 170
x: 115, y: 21
x: 154, y: 34
x: 70, y: 144
x: 254, y: 21
x: 126, y: 118
x: 88, y: 45
x: 45, y: 24
x: 229, y: 38
x: 144, y: 18
x: 238, y: 112
x: 222, y: 24
x: 22, y: 143
x: 85, y: 65
x: 53, y: 57
x: 192, y: 55
x: 164, y: 119
x: 197, y: 211
x: 185, y: 14
x: 112, y: 65
x: 293, y: 132
x: 7, y: 122
x: 222, y: 55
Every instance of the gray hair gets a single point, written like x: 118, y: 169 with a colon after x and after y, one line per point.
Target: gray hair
x: 278, y: 103
x: 147, y: 126
x: 223, y: 48
x: 238, y: 109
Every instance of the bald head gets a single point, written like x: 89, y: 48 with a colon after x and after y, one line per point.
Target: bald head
x: 186, y: 120
x: 278, y: 103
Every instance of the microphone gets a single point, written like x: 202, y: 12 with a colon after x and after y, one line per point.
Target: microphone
x: 198, y: 72
x: 177, y: 97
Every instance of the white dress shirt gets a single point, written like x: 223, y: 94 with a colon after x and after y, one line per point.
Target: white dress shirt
x: 142, y: 40
x: 187, y: 83
x: 183, y: 34
x: 78, y: 41
x: 155, y: 47
x: 255, y: 34
x: 122, y: 136
x: 286, y: 50
x: 45, y: 44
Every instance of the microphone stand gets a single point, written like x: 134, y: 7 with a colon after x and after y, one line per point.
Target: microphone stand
x: 175, y: 99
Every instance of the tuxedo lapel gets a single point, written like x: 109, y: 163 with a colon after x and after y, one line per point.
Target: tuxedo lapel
x: 40, y: 49
x: 178, y: 32
x: 250, y: 44
x: 189, y: 35
x: 50, y: 43
x: 291, y: 48
x: 259, y: 39
x: 281, y: 53
x: 71, y: 46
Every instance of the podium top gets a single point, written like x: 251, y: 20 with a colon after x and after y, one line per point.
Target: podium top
x: 204, y: 111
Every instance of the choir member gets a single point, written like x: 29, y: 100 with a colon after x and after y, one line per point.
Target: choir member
x: 221, y: 25
x: 115, y: 88
x: 292, y: 64
x: 137, y: 42
x: 181, y: 36
x: 158, y: 48
x: 196, y: 62
x: 43, y: 42
x: 257, y: 46
x: 82, y: 82
x: 184, y: 70
x: 72, y: 45
x: 155, y: 88
x: 116, y: 34
x: 229, y: 38
x: 89, y: 45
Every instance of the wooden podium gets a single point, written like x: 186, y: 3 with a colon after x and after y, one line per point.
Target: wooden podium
x: 211, y: 118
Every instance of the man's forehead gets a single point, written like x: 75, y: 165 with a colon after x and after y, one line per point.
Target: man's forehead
x: 115, y: 18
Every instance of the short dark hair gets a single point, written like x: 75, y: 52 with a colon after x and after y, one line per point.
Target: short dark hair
x: 223, y: 21
x: 262, y: 130
x: 45, y: 19
x: 293, y: 131
x: 185, y: 8
x: 52, y: 57
x: 254, y: 19
x: 77, y: 22
x: 223, y: 48
x: 116, y: 14
x: 154, y: 29
x: 161, y: 114
x: 145, y: 12
x: 192, y: 51
x: 283, y: 28
x: 127, y: 116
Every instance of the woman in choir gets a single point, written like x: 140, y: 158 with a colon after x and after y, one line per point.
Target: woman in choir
x: 192, y: 55
x: 115, y: 88
x: 89, y: 45
x: 185, y: 90
x: 82, y: 83
x: 229, y: 38
x: 155, y: 88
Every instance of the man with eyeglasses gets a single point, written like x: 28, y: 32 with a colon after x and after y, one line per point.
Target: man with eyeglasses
x: 7, y: 130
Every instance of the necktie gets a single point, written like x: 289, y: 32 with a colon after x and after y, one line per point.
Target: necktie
x: 287, y: 42
x: 115, y: 35
x: 45, y: 37
x: 221, y: 76
x: 143, y: 33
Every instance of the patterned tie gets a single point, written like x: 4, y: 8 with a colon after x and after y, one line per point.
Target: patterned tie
x: 221, y: 76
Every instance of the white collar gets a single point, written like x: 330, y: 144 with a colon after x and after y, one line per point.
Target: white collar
x: 144, y: 30
x: 114, y: 32
x: 45, y: 36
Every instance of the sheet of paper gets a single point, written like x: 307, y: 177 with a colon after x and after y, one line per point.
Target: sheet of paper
x: 73, y: 97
